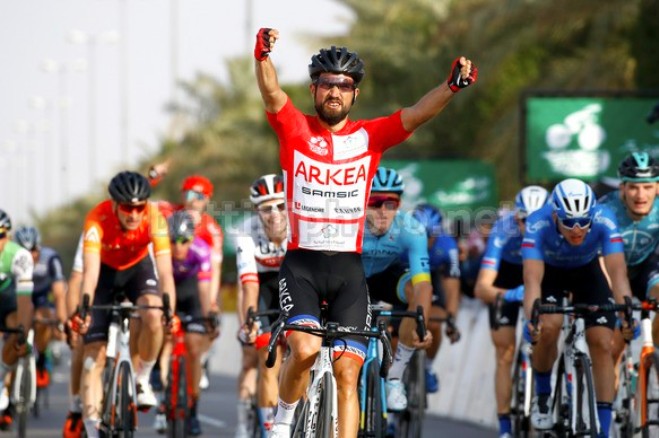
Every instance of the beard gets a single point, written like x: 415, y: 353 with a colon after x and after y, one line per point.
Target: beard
x: 331, y: 117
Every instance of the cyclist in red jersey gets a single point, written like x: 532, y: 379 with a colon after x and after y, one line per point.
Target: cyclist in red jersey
x: 328, y: 162
x: 117, y: 235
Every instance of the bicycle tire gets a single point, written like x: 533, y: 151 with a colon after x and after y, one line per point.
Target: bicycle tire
x: 521, y: 420
x: 178, y: 399
x: 651, y: 391
x: 411, y: 419
x: 560, y: 401
x: 585, y: 392
x: 625, y: 416
x: 326, y: 422
x: 127, y: 406
x: 301, y: 420
x: 253, y: 419
x: 376, y: 421
x: 23, y: 403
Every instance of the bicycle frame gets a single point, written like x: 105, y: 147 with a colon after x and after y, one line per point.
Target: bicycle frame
x: 523, y: 358
x: 26, y: 364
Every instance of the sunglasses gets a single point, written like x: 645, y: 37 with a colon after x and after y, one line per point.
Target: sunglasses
x: 129, y: 208
x: 581, y: 222
x: 388, y: 202
x: 181, y: 240
x: 192, y: 195
x: 281, y: 206
x: 344, y: 85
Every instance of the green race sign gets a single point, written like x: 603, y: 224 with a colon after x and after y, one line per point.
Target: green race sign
x: 447, y: 184
x: 584, y: 137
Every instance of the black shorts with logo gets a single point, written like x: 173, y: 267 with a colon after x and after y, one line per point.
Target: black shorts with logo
x: 189, y: 305
x: 268, y: 298
x: 643, y: 276
x: 509, y: 276
x: 306, y: 278
x: 140, y: 279
x: 587, y: 284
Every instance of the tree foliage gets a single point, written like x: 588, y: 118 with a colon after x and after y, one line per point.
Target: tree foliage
x: 408, y: 47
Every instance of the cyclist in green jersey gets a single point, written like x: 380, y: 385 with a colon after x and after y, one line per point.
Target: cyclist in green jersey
x: 16, y: 266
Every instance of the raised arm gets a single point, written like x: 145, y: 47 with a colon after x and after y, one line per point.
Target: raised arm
x: 463, y: 73
x: 273, y: 96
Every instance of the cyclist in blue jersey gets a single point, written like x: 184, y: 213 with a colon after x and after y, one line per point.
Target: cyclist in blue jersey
x: 560, y: 252
x: 501, y: 273
x: 636, y: 209
x: 445, y: 279
x: 387, y: 235
x: 48, y: 278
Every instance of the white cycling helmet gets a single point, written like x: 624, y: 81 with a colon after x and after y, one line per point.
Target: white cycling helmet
x: 530, y: 199
x: 573, y: 198
x: 266, y: 188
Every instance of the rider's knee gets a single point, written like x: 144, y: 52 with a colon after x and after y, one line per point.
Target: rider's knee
x: 347, y: 375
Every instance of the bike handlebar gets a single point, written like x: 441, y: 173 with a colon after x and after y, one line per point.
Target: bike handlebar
x: 417, y: 315
x: 331, y: 330
x: 580, y: 309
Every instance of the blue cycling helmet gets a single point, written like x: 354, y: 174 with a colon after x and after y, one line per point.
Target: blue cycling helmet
x: 28, y: 237
x: 430, y: 217
x: 638, y: 167
x: 530, y: 199
x: 387, y: 180
x: 573, y: 198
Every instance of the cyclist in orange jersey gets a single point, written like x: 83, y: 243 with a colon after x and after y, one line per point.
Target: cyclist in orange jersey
x: 117, y: 235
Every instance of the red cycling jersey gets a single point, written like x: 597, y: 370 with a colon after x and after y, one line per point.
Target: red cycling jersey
x: 328, y: 175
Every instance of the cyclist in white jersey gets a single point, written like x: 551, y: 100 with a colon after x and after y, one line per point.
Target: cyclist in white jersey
x: 328, y: 162
x: 260, y: 249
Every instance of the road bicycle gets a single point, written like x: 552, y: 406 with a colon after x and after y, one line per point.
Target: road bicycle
x: 119, y: 408
x: 178, y: 398
x: 522, y: 379
x: 255, y: 427
x: 24, y: 387
x: 638, y: 390
x: 42, y: 394
x: 319, y: 413
x: 574, y: 404
x: 372, y: 394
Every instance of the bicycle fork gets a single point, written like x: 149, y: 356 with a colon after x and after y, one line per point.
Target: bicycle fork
x: 31, y: 368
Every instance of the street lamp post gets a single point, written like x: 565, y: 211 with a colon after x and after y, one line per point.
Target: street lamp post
x: 91, y: 40
x: 63, y: 103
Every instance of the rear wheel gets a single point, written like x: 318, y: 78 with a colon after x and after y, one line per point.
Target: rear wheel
x: 411, y: 420
x: 326, y: 421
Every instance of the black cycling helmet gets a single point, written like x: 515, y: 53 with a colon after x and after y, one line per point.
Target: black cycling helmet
x: 5, y: 221
x: 337, y: 60
x: 28, y: 237
x: 181, y: 226
x: 638, y: 167
x: 129, y: 188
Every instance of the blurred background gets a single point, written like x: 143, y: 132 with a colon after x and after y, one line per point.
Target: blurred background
x: 90, y: 87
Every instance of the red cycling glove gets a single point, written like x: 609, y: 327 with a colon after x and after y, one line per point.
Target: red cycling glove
x: 262, y: 47
x: 455, y: 81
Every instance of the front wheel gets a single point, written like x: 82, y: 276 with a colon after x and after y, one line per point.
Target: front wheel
x: 24, y: 378
x: 586, y: 410
x: 126, y: 403
x: 411, y: 419
x: 522, y: 395
x: 649, y: 404
x: 177, y: 399
x: 326, y: 415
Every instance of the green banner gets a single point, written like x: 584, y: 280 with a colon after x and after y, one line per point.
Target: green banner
x: 585, y: 137
x: 447, y: 184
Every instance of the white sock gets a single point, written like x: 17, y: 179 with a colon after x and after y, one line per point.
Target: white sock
x: 401, y: 359
x: 75, y: 405
x: 429, y: 362
x: 91, y: 427
x: 267, y: 416
x: 243, y: 408
x: 285, y: 412
x: 144, y: 371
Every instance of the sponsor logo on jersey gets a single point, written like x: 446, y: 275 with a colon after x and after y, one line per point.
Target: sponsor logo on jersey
x: 329, y: 230
x: 601, y: 320
x: 551, y: 299
x: 347, y: 210
x: 300, y: 206
x: 339, y: 175
x: 92, y: 235
x: 330, y: 193
x: 350, y: 146
x: 318, y: 145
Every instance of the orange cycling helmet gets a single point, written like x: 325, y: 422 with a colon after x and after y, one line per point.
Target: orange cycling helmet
x: 199, y: 184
